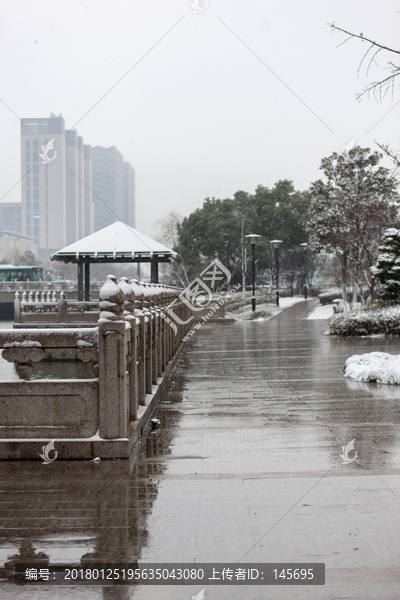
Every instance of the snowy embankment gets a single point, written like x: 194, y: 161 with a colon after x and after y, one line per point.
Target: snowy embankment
x: 264, y: 310
x: 375, y: 367
x: 321, y: 312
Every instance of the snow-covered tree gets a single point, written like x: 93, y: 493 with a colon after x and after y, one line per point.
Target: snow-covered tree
x: 349, y: 212
x: 387, y: 268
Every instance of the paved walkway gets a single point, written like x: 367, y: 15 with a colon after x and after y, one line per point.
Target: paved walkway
x: 245, y: 467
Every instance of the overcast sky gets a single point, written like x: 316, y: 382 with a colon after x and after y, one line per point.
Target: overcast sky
x: 245, y: 92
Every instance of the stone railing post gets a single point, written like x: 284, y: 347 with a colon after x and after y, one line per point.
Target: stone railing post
x: 149, y: 339
x: 141, y: 345
x: 132, y: 358
x: 113, y: 408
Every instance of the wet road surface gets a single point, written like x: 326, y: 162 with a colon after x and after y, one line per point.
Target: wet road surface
x: 245, y: 467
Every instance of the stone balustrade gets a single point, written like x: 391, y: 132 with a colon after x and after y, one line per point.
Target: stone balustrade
x: 132, y: 349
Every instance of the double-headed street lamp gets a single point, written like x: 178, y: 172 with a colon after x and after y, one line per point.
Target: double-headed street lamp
x: 253, y: 239
x: 304, y: 246
x: 275, y: 245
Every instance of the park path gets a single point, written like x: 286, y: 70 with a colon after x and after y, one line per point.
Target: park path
x: 300, y: 310
x: 245, y: 468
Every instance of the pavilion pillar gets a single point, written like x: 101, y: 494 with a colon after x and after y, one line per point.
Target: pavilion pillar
x: 154, y: 271
x: 80, y: 280
x: 87, y: 281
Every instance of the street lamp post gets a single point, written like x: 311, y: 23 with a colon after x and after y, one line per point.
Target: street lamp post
x: 275, y: 245
x: 304, y: 245
x: 253, y: 238
x: 291, y: 272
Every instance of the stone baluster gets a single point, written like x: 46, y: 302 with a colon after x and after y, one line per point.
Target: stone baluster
x: 113, y: 405
x: 48, y: 296
x: 141, y: 342
x: 24, y: 296
x: 149, y: 338
x: 17, y: 308
x: 31, y: 296
x: 37, y: 297
x: 129, y: 309
x: 54, y: 296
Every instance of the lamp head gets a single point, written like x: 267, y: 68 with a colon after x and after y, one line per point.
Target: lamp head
x: 276, y: 243
x: 253, y: 238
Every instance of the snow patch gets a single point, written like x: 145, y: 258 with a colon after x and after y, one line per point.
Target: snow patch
x: 375, y: 367
x: 26, y: 344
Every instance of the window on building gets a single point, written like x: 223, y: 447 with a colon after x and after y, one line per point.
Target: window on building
x: 28, y: 194
x: 36, y: 194
x: 36, y: 207
x: 35, y: 157
x: 28, y: 218
x: 36, y: 169
x: 47, y: 206
x: 27, y: 168
x: 35, y: 181
x: 46, y: 182
x: 27, y: 144
x: 36, y: 232
x: 18, y: 221
x: 47, y: 232
x: 28, y: 181
x: 46, y: 198
x: 27, y: 157
x: 35, y: 144
x: 36, y: 240
x: 19, y: 230
x: 18, y: 210
x: 28, y: 207
x: 9, y: 222
x: 28, y: 230
x: 9, y: 211
x: 47, y: 218
x: 36, y: 219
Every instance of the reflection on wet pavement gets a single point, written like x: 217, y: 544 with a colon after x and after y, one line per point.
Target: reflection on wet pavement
x: 245, y: 466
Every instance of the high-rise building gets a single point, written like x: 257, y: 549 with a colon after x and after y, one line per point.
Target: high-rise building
x: 113, y: 187
x: 43, y: 199
x: 58, y: 205
x: 129, y: 194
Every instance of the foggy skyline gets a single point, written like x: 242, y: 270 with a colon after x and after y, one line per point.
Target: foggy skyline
x: 238, y: 95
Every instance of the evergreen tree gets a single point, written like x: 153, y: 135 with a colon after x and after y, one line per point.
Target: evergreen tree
x: 387, y: 268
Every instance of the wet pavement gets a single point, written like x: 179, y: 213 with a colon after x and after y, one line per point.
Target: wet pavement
x: 245, y: 468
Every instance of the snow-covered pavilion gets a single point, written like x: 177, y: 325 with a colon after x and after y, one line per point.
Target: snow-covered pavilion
x: 116, y: 243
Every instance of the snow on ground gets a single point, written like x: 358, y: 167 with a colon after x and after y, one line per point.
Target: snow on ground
x: 377, y: 367
x: 321, y: 312
x: 285, y: 302
x: 264, y: 310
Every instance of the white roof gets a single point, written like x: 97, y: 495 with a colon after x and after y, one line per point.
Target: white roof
x: 116, y: 240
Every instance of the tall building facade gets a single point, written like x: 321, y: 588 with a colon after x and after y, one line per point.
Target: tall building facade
x: 113, y: 188
x: 43, y: 201
x: 73, y: 191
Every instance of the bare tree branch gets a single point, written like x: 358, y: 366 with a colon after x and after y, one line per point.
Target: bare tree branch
x: 378, y: 88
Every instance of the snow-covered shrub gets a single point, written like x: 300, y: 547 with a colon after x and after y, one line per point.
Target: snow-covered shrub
x: 329, y: 296
x: 376, y: 367
x: 367, y: 321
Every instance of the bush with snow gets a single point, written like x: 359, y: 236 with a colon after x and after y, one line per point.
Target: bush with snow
x: 367, y: 321
x: 329, y: 296
x: 374, y: 367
